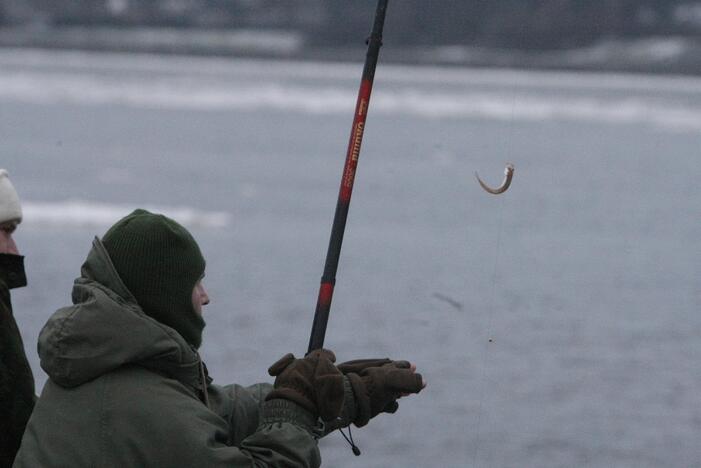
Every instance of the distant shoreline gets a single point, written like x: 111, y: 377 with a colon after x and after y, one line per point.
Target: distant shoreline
x: 659, y: 55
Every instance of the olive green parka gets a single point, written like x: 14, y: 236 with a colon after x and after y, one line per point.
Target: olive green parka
x: 126, y: 390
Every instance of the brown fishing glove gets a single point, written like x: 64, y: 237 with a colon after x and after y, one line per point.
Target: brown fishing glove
x: 312, y: 382
x: 358, y: 365
x: 377, y: 384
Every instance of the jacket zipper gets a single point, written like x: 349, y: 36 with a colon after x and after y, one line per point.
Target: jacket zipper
x: 203, y: 381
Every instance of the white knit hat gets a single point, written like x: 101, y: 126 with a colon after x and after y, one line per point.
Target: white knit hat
x: 10, y: 209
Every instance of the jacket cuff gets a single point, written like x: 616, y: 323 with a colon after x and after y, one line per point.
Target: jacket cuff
x: 278, y: 410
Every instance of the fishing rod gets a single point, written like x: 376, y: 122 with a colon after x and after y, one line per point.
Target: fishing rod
x: 328, y: 279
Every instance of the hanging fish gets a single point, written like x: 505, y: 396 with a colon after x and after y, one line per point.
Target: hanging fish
x: 508, y: 175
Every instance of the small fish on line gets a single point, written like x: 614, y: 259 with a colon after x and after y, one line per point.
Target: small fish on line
x: 508, y: 175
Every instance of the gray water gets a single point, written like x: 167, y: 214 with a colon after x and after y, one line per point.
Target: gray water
x: 585, y: 275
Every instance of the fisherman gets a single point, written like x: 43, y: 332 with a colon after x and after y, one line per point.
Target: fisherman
x: 127, y: 386
x: 16, y: 380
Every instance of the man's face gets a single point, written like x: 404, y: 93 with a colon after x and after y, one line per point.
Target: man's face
x: 199, y: 297
x: 7, y: 243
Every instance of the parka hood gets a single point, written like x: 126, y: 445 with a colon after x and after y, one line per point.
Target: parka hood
x: 105, y: 329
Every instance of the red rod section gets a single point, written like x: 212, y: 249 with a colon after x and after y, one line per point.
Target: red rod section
x: 328, y: 279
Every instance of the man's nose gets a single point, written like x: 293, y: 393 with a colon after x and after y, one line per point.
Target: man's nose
x: 11, y: 246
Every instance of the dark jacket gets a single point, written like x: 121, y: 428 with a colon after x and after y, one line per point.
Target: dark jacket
x: 16, y: 380
x: 126, y: 390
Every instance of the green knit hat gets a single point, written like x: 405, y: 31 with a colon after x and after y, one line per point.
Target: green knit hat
x: 160, y: 263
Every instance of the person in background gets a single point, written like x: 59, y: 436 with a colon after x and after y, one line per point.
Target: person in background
x: 127, y: 386
x: 16, y: 380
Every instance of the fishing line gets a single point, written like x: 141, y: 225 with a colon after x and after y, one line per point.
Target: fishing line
x: 490, y: 338
x: 492, y: 300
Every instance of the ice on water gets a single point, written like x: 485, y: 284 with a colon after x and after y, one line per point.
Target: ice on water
x: 584, y: 275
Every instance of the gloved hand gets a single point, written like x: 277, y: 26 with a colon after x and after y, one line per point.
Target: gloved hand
x: 358, y: 365
x: 312, y: 382
x: 378, y: 383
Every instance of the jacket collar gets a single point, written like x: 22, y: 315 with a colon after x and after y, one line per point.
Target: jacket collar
x: 105, y: 329
x: 12, y: 271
